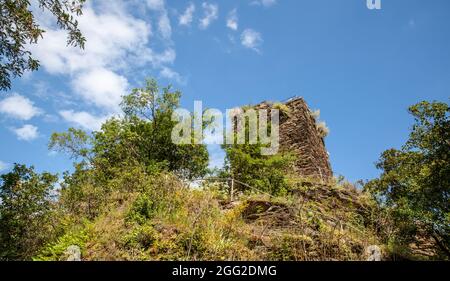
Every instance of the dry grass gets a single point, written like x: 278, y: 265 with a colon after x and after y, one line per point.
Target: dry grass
x: 168, y: 221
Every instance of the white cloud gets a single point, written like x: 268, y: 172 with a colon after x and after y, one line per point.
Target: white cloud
x: 158, y: 60
x: 210, y: 14
x: 168, y: 73
x: 232, y: 20
x: 117, y: 45
x: 27, y: 132
x: 112, y: 37
x: 187, y: 16
x: 251, y: 39
x: 156, y: 5
x: 116, y: 41
x: 101, y: 87
x: 164, y: 27
x: 20, y: 107
x: 3, y: 166
x: 83, y: 119
x: 264, y: 3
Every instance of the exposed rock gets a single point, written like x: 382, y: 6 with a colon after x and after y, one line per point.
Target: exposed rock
x: 72, y: 253
x: 373, y: 253
x: 260, y: 209
x: 342, y: 198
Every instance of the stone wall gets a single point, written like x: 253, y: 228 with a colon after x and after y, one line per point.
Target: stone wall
x: 299, y: 135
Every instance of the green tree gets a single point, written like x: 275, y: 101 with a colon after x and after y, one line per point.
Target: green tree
x: 26, y: 212
x: 142, y: 137
x: 140, y: 142
x: 414, y: 186
x: 18, y: 27
x: 264, y: 172
x: 149, y: 121
x: 246, y: 163
x: 74, y: 142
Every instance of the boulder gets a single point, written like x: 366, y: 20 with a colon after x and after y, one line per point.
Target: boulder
x: 72, y: 253
x: 373, y: 253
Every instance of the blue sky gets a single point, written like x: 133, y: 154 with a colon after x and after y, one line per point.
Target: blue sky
x: 362, y: 68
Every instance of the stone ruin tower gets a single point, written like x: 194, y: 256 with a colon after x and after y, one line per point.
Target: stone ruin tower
x: 300, y: 135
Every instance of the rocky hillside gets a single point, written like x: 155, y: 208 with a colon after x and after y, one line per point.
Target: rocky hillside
x: 169, y: 221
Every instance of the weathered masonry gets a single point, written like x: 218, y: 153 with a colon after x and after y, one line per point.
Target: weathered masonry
x: 300, y: 134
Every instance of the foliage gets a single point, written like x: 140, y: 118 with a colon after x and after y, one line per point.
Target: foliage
x: 81, y: 194
x: 142, y: 137
x: 414, y: 187
x: 26, y: 212
x: 156, y: 217
x: 321, y: 126
x: 150, y: 117
x: 315, y: 114
x: 55, y: 251
x: 189, y: 161
x: 267, y: 173
x: 73, y: 142
x: 283, y: 108
x: 127, y: 198
x: 125, y: 151
x: 245, y: 163
x: 186, y: 224
x: 165, y: 221
x: 141, y: 210
x: 322, y: 129
x: 18, y: 27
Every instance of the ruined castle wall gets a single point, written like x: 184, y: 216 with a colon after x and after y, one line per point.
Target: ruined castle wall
x: 299, y: 135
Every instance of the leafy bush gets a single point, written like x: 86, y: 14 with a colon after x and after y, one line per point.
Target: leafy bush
x: 27, y: 212
x: 141, y: 210
x: 141, y: 237
x: 54, y: 251
x: 265, y: 173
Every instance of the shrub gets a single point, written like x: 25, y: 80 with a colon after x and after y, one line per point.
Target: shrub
x: 141, y: 210
x: 53, y: 251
